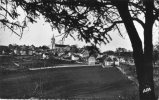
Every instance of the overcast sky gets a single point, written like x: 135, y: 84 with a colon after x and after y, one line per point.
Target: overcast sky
x: 40, y: 33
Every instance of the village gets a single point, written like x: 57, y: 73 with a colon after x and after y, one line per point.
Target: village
x: 31, y: 59
x: 88, y: 54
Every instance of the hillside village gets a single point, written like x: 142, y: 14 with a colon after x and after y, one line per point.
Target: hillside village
x: 22, y: 57
x: 88, y: 54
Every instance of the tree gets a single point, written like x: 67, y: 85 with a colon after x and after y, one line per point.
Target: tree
x: 156, y: 53
x: 44, y: 47
x: 9, y: 17
x: 93, y: 50
x: 93, y: 19
x: 74, y: 49
x: 120, y: 52
x: 155, y: 56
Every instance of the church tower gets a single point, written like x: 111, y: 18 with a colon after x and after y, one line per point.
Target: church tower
x: 53, y: 42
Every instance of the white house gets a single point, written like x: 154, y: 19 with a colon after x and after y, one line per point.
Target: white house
x: 74, y: 57
x: 45, y: 56
x: 91, y: 60
x: 110, y: 61
x: 122, y: 60
x: 23, y: 52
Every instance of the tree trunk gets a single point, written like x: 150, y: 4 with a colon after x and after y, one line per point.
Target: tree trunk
x: 144, y: 67
x: 148, y: 52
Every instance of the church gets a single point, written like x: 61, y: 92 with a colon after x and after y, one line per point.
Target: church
x: 58, y: 48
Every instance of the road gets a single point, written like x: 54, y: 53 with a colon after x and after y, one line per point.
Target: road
x: 63, y: 66
x: 65, y: 82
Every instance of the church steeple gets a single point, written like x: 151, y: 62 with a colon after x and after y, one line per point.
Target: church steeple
x: 53, y: 42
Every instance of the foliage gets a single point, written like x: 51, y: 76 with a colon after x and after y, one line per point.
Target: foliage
x: 74, y: 49
x: 91, y: 20
x: 44, y: 47
x: 121, y: 49
x: 93, y: 50
x: 11, y: 18
x: 155, y: 56
x: 156, y: 52
x: 109, y: 52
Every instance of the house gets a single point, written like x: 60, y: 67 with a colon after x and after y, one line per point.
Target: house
x: 84, y: 54
x: 61, y: 48
x: 16, y: 51
x: 91, y: 60
x: 110, y: 61
x: 23, y: 52
x: 4, y: 50
x: 130, y: 61
x: 122, y: 60
x: 45, y: 56
x: 31, y: 50
x: 75, y: 57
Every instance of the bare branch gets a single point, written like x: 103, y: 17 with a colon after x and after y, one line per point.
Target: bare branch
x: 114, y: 24
x: 11, y: 29
x: 139, y: 21
x: 119, y: 31
x: 7, y: 12
x: 6, y: 22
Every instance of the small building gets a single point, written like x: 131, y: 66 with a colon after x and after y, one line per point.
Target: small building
x: 110, y: 61
x: 130, y: 61
x: 30, y: 52
x: 45, y: 56
x: 107, y: 62
x: 4, y: 50
x: 16, y: 51
x: 84, y: 54
x: 23, y: 52
x: 75, y: 57
x: 91, y: 60
x: 122, y: 60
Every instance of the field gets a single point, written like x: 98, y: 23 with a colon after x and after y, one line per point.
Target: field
x: 81, y: 82
x: 17, y: 63
x: 17, y: 81
x: 130, y: 72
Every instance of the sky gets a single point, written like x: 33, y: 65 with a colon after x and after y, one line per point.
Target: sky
x: 40, y: 33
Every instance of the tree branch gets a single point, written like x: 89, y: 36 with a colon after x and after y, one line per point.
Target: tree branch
x: 139, y: 21
x: 11, y: 29
x: 114, y: 24
x: 7, y: 12
x: 5, y: 22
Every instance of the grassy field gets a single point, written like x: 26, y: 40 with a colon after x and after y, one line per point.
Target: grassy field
x: 12, y: 63
x: 130, y: 71
x: 81, y: 82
